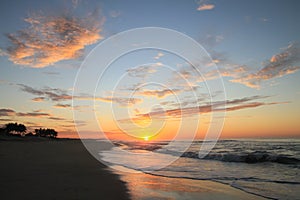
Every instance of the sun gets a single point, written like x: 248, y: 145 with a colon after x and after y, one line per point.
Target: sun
x: 146, y: 138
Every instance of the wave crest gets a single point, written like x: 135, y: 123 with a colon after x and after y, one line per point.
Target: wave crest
x: 253, y: 157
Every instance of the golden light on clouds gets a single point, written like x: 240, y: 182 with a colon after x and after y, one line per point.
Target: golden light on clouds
x: 50, y: 39
x: 206, y: 7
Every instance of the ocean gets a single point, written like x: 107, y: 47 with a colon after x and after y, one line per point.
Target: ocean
x: 267, y: 168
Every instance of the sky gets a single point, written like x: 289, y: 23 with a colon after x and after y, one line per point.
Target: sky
x: 244, y: 82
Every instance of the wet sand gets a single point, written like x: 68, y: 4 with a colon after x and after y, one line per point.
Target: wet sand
x: 60, y: 169
x: 146, y: 186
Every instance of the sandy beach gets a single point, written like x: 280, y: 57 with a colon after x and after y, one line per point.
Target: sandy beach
x: 57, y: 169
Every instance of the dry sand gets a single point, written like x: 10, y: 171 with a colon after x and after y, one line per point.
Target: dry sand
x: 60, y: 169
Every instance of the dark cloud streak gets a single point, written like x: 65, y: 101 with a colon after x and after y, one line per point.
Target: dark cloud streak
x: 229, y: 105
x: 5, y: 112
x: 53, y: 94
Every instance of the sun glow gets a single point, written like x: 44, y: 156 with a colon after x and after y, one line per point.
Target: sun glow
x: 146, y: 138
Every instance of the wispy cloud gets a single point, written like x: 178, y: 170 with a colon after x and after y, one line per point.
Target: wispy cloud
x: 144, y: 70
x: 57, y: 118
x: 286, y: 62
x: 49, y: 39
x: 53, y: 94
x: 5, y: 112
x: 114, y: 13
x: 60, y: 105
x: 58, y: 95
x: 210, y: 41
x: 281, y: 64
x: 38, y: 99
x: 250, y: 105
x: 51, y: 73
x: 229, y: 105
x: 5, y: 120
x: 32, y: 114
x: 158, y: 93
x: 159, y: 55
x: 122, y: 101
x: 205, y: 5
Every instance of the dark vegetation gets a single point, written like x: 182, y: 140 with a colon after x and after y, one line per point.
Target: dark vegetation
x: 20, y: 130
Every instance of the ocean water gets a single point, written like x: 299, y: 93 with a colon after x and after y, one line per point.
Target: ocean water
x: 267, y: 168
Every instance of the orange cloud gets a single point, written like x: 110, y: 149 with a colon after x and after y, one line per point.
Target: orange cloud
x: 206, y: 7
x: 284, y: 63
x: 59, y: 105
x: 158, y: 93
x: 279, y: 65
x: 158, y: 56
x: 50, y: 39
x: 120, y: 100
x: 38, y: 99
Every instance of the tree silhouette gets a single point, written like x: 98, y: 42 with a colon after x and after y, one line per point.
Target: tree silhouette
x: 20, y: 130
x: 41, y: 132
x: 2, y: 131
x: 12, y: 128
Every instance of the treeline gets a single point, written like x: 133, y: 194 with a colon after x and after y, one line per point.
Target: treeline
x: 16, y: 129
x: 45, y: 132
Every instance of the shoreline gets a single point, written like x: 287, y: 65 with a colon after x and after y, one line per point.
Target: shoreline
x: 55, y: 169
